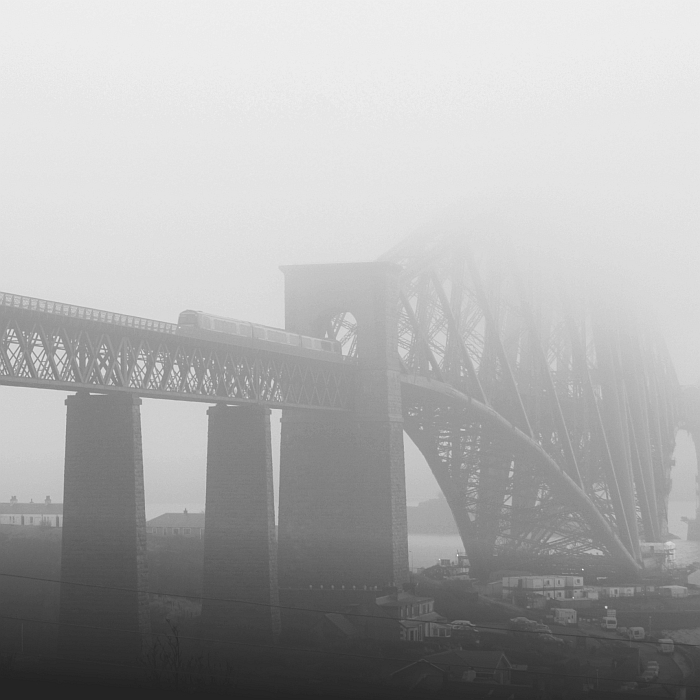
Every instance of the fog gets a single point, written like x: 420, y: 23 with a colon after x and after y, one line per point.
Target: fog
x: 159, y: 156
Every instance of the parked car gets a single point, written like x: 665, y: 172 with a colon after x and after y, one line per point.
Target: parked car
x: 551, y: 639
x: 650, y: 675
x: 522, y: 623
x: 540, y: 627
x: 652, y: 670
x: 462, y: 625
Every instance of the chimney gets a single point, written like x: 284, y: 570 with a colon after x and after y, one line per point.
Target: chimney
x: 13, y: 500
x: 47, y: 501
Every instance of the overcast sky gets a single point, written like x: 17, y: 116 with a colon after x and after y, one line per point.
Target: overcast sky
x: 158, y: 156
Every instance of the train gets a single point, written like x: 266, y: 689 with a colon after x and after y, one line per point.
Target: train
x: 194, y: 323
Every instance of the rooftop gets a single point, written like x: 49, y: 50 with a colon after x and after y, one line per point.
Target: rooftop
x: 31, y: 508
x: 177, y: 520
x: 467, y: 657
x: 403, y: 598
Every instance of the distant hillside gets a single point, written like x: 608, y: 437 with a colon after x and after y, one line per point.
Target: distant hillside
x: 432, y: 517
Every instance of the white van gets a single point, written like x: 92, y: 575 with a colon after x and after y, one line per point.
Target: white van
x: 609, y: 623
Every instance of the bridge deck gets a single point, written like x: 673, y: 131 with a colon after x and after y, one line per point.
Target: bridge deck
x: 52, y: 345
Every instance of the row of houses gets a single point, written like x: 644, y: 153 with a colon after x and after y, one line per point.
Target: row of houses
x: 48, y: 514
x: 547, y: 587
x: 31, y: 514
x: 543, y: 588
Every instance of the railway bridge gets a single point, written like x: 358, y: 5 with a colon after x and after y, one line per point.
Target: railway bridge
x: 547, y: 415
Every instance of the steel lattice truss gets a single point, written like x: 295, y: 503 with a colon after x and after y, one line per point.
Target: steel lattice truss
x: 583, y: 379
x: 71, y: 348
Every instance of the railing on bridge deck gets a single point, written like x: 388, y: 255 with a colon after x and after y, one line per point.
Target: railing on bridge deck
x: 52, y: 345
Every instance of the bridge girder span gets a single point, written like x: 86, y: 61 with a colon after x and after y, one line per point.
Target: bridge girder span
x: 585, y: 378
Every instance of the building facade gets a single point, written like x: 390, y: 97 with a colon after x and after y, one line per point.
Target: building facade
x: 547, y: 587
x: 416, y: 616
x: 177, y: 525
x: 31, y: 514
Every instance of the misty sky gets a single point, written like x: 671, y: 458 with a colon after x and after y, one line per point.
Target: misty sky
x: 158, y: 156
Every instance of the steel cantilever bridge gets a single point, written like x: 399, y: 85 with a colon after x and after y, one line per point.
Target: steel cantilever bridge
x: 548, y: 420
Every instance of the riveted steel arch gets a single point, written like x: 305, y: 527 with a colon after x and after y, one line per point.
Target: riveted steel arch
x: 586, y: 380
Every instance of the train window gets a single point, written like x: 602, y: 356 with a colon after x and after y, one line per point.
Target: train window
x: 277, y: 336
x: 307, y: 342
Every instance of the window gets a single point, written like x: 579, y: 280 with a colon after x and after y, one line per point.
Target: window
x: 31, y: 521
x: 176, y: 531
x: 187, y: 531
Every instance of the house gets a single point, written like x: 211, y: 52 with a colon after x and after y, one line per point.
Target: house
x: 476, y: 666
x: 673, y: 591
x: 421, y: 675
x: 417, y: 618
x: 31, y: 514
x: 177, y: 525
x: 394, y: 617
x: 694, y: 578
x: 587, y: 593
x: 448, y: 569
x: 548, y: 587
x: 658, y: 555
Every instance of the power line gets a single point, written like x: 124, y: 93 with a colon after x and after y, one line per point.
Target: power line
x: 305, y: 651
x: 315, y: 610
x: 321, y: 612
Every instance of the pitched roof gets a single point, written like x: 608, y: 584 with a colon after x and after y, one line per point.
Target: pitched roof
x: 402, y: 598
x: 342, y: 623
x: 177, y: 520
x: 31, y: 509
x: 467, y: 657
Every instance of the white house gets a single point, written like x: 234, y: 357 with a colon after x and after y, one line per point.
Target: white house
x: 31, y: 514
x: 673, y: 591
x: 551, y: 587
x: 416, y: 616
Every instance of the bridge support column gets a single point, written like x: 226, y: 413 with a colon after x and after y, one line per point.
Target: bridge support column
x: 342, y: 484
x: 104, y: 532
x: 240, y: 550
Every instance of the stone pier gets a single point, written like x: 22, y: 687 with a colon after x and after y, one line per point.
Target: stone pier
x: 342, y: 485
x: 240, y: 550
x: 103, y: 613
